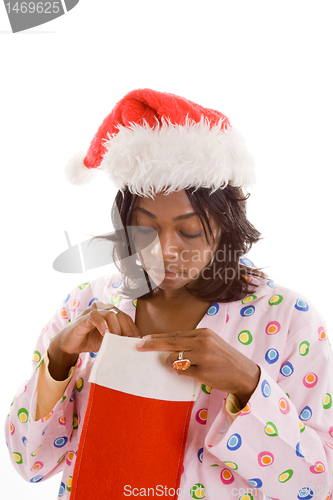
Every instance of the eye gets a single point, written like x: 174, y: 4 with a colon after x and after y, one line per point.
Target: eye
x: 192, y: 235
x: 149, y: 230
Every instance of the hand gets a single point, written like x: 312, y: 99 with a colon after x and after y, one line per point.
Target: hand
x: 213, y: 361
x: 86, y: 333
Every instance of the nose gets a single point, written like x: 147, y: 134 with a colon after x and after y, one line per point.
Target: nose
x: 164, y: 248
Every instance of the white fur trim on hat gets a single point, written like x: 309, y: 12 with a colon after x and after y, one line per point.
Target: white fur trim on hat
x: 177, y: 157
x: 76, y: 172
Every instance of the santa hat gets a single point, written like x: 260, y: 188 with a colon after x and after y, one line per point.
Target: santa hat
x: 153, y: 141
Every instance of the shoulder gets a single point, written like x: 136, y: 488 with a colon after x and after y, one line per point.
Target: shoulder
x: 97, y: 289
x: 300, y: 308
x: 104, y: 287
x: 269, y: 300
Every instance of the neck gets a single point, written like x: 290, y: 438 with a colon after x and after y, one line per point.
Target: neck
x: 175, y: 297
x: 171, y: 296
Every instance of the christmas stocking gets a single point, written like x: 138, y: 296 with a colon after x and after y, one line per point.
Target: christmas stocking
x: 134, y: 433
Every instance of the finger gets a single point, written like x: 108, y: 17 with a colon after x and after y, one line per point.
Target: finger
x: 98, y: 319
x: 94, y: 320
x: 194, y: 370
x: 155, y: 343
x: 114, y: 323
x: 134, y: 329
x: 131, y: 329
x: 119, y: 323
x: 186, y: 355
x: 189, y: 372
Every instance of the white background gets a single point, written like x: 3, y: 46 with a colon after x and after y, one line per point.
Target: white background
x: 266, y: 65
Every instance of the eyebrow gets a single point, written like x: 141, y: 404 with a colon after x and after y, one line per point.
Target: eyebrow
x: 179, y: 217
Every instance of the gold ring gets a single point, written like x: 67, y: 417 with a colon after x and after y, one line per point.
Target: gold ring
x: 181, y: 363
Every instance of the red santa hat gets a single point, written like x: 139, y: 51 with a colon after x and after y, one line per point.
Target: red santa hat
x: 153, y: 141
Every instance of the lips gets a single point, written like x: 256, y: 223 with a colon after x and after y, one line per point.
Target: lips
x: 165, y: 271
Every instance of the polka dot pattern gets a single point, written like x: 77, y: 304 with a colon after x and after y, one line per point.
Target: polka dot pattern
x: 265, y: 389
x: 299, y: 452
x: 310, y: 380
x: 304, y: 348
x: 62, y: 490
x: 327, y: 401
x: 60, y: 442
x: 270, y: 429
x: 246, y: 262
x: 36, y: 479
x: 287, y: 369
x: 201, y: 416
x: 322, y: 335
x: 214, y: 309
x: 273, y: 327
x: 234, y: 442
x: 305, y: 494
x: 231, y: 465
x: 275, y: 300
x: 23, y: 415
x: 255, y: 482
x: 317, y: 468
x: 301, y: 305
x: 248, y: 299
x: 265, y: 458
x: 115, y: 299
x: 246, y: 410
x: 286, y: 475
x: 84, y: 286
x: 245, y: 337
x: 95, y: 299
x: 265, y: 325
x: 227, y: 476
x: 305, y: 414
x: 197, y: 491
x: 37, y: 465
x: 18, y: 458
x: 284, y: 406
x: 75, y: 304
x: 247, y: 311
x: 271, y: 356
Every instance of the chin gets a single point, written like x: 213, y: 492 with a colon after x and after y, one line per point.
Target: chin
x: 175, y: 283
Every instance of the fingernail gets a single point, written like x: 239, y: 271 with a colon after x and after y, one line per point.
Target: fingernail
x: 141, y: 343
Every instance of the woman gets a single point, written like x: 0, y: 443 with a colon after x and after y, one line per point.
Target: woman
x: 262, y: 421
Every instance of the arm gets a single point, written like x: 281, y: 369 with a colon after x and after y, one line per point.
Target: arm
x: 30, y: 430
x: 275, y: 443
x: 39, y: 442
x: 49, y: 390
x: 283, y: 442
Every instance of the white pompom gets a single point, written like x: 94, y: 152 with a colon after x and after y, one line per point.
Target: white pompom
x: 77, y: 173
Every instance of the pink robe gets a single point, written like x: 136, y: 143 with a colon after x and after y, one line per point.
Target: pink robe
x: 280, y: 445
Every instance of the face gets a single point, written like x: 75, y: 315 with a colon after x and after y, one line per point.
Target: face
x: 178, y: 243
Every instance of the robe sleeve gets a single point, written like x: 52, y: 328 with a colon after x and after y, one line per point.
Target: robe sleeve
x: 281, y: 443
x: 49, y: 391
x: 37, y: 448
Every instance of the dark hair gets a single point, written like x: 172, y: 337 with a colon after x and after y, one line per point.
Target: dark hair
x: 228, y: 206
